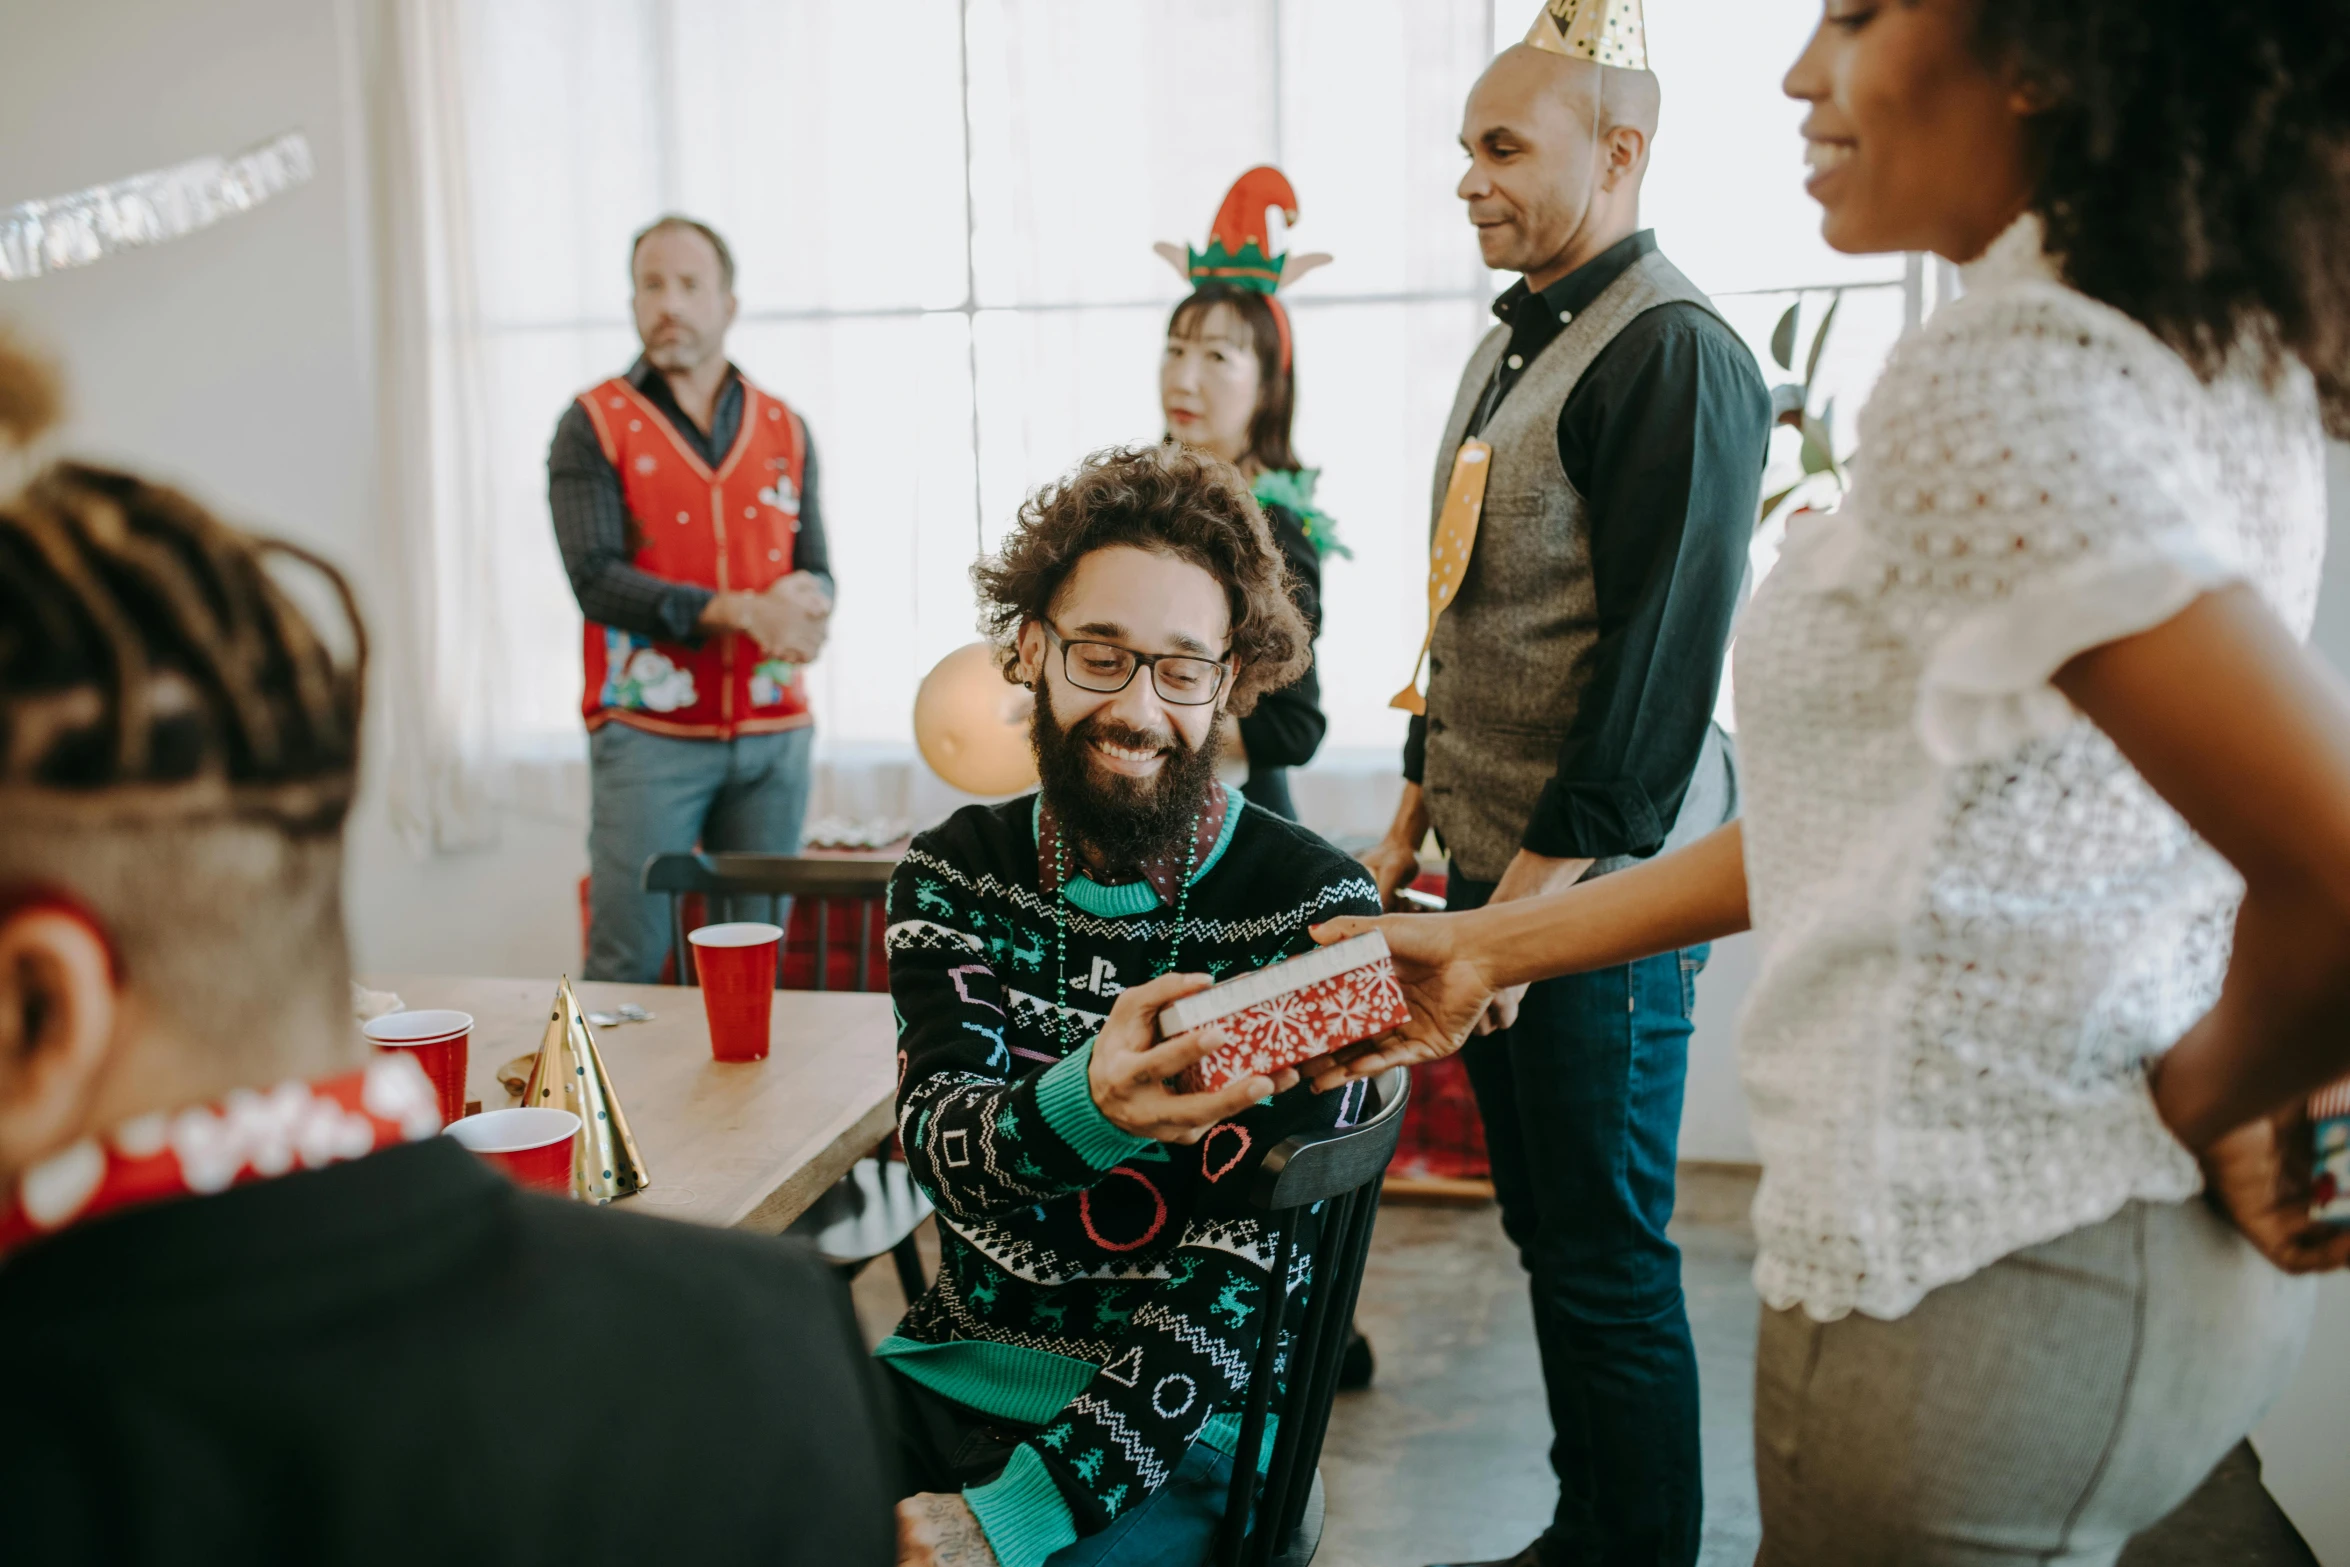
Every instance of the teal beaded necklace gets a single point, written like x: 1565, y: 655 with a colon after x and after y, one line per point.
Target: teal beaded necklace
x: 1061, y: 907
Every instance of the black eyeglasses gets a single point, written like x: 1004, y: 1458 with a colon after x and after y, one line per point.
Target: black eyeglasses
x: 1180, y: 680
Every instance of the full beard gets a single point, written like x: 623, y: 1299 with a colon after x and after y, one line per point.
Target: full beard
x: 1122, y: 822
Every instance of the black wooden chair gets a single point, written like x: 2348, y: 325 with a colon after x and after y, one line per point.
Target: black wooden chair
x: 1338, y: 1170
x: 764, y: 886
x: 876, y: 1207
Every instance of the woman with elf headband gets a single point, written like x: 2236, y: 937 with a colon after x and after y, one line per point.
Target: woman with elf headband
x: 1228, y: 385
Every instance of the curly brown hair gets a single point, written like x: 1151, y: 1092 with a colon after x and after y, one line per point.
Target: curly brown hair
x: 1168, y: 499
x: 2194, y: 167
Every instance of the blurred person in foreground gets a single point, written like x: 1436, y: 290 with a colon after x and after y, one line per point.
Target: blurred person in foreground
x: 1069, y: 1388
x: 2046, y: 834
x: 255, y: 1310
x: 685, y: 504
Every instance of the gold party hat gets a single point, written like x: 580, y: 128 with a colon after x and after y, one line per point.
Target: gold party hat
x: 1613, y: 32
x: 569, y: 1075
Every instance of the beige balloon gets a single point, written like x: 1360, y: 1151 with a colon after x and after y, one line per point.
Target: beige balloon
x: 972, y: 725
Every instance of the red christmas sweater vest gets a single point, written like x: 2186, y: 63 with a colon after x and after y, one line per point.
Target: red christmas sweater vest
x: 730, y: 529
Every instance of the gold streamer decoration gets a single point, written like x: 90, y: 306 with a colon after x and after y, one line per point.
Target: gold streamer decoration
x: 89, y: 225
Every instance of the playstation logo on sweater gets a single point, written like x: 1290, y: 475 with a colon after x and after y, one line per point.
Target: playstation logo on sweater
x: 1102, y: 980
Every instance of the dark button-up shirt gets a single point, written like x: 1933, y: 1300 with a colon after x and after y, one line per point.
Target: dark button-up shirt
x: 592, y: 524
x: 1664, y: 437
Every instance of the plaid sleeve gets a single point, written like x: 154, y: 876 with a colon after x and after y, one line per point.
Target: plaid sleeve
x: 591, y: 529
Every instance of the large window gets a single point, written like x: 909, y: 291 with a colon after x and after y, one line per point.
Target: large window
x: 943, y: 211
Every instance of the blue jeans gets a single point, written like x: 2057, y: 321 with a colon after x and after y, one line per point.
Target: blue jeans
x: 945, y: 1446
x: 657, y: 795
x: 1175, y: 1528
x: 1582, y: 1106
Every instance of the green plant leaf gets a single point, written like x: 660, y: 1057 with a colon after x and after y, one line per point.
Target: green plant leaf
x: 1819, y: 340
x: 1783, y: 337
x: 1819, y: 450
x: 1772, y: 503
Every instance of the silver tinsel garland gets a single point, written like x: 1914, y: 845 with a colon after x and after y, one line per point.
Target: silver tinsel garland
x: 146, y: 209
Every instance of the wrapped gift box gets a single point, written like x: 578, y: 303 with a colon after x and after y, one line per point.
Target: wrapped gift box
x: 1292, y: 1011
x: 2329, y: 1109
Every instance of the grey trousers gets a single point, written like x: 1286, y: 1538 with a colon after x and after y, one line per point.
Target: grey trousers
x: 656, y: 794
x: 2042, y: 1410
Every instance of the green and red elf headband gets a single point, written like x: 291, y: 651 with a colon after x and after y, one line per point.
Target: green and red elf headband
x: 1239, y: 252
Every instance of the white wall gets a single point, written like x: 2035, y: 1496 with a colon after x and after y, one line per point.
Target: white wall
x: 2303, y: 1440
x: 231, y: 360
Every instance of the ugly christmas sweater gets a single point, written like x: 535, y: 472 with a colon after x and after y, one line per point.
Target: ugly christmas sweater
x: 1100, y: 1287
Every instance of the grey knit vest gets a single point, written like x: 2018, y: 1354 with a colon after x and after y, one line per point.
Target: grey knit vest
x: 1514, y: 650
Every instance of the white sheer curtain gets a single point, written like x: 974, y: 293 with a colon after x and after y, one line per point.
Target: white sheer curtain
x: 942, y: 212
x: 451, y: 709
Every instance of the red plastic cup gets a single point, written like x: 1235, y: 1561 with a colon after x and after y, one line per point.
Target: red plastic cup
x: 437, y: 1042
x: 736, y: 962
x: 532, y: 1146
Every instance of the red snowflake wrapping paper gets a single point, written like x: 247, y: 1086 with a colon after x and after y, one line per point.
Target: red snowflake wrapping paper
x: 1292, y: 1011
x: 2329, y: 1114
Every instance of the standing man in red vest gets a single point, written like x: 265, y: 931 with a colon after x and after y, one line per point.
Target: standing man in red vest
x: 684, y: 501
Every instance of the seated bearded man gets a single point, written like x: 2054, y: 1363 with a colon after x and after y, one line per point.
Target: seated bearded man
x: 254, y: 1310
x: 1069, y: 1386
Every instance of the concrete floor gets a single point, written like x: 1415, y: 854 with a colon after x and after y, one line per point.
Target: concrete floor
x: 1444, y: 1457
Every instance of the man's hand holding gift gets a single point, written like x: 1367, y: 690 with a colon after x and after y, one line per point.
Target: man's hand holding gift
x: 1132, y: 1068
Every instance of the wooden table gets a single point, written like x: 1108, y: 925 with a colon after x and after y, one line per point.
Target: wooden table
x: 726, y: 1143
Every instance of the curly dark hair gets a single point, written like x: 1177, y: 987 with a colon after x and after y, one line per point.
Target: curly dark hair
x: 1169, y: 499
x: 2193, y: 166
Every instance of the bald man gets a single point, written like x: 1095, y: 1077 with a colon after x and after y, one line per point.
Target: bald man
x: 1568, y: 732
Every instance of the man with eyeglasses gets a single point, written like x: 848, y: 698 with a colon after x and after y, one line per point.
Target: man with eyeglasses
x: 1067, y: 1389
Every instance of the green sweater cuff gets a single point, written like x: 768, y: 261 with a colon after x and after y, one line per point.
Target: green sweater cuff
x: 1066, y: 1099
x: 1022, y: 1512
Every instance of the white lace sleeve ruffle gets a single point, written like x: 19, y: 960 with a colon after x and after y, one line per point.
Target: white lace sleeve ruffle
x: 2028, y: 521
x: 1986, y: 685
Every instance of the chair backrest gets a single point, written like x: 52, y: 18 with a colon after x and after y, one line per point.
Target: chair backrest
x: 1337, y: 1170
x: 746, y: 886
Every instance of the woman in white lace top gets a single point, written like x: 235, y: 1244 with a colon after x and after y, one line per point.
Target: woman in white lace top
x: 2046, y: 843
